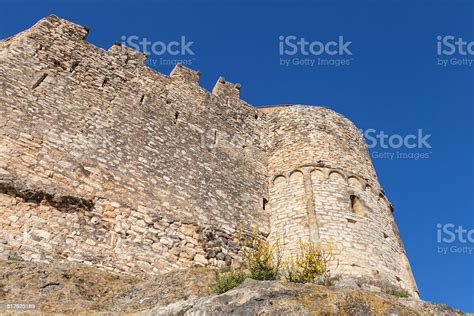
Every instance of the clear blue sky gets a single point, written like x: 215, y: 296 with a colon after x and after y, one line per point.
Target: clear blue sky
x: 392, y: 84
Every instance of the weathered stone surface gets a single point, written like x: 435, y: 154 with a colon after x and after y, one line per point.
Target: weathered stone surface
x: 77, y: 289
x: 276, y: 298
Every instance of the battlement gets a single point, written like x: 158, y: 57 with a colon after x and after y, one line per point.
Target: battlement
x: 53, y: 25
x: 53, y: 28
x: 134, y: 171
x: 183, y: 73
x: 226, y: 89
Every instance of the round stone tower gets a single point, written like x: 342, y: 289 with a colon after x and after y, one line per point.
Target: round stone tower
x: 323, y: 188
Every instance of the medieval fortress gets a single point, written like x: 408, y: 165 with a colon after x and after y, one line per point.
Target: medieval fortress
x: 107, y: 162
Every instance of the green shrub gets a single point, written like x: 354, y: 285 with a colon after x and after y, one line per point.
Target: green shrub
x: 397, y: 292
x: 310, y: 265
x: 262, y: 259
x: 227, y: 279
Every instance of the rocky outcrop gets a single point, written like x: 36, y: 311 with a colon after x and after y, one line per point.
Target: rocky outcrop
x: 73, y: 289
x: 277, y: 298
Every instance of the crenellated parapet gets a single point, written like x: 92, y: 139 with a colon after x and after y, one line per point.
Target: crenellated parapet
x: 53, y: 25
x: 226, y: 89
x: 119, y: 58
x: 183, y: 73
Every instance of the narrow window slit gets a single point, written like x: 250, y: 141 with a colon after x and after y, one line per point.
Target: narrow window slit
x: 105, y: 82
x: 39, y: 81
x: 264, y: 203
x: 74, y: 66
x: 142, y: 98
x: 215, y: 138
x: 385, y: 235
x: 176, y: 116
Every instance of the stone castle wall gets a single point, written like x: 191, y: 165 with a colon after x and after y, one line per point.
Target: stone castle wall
x: 98, y: 125
x: 107, y: 162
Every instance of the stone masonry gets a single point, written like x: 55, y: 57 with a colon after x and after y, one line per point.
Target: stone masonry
x: 107, y: 162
